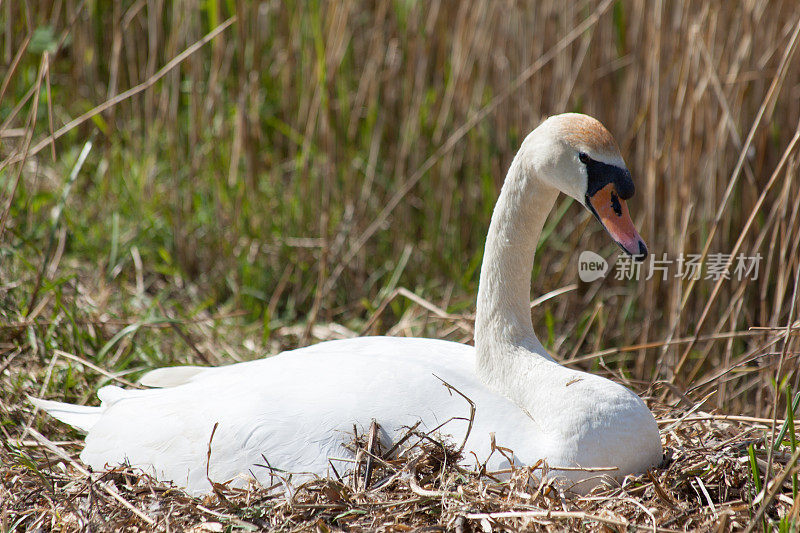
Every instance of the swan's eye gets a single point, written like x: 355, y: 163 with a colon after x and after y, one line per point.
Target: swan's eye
x: 584, y: 158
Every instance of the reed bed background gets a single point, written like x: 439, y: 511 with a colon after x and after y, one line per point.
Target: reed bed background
x: 207, y: 182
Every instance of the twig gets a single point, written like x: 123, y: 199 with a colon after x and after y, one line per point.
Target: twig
x: 111, y: 491
x: 552, y: 294
x: 562, y: 515
x: 177, y: 329
x: 371, y: 441
x: 646, y: 511
x: 411, y: 431
x: 450, y: 389
x: 217, y: 488
x: 682, y: 398
x: 96, y: 368
x: 13, y: 67
x: 752, y: 355
x: 689, y: 413
x: 584, y: 468
x: 427, y: 493
x: 357, y: 460
x: 439, y: 312
x: 374, y: 457
x: 724, y: 418
x: 660, y: 492
x: 208, y: 456
x: 706, y: 495
x: 658, y: 344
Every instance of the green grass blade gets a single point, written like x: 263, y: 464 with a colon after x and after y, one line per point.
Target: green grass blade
x: 785, y: 426
x: 751, y: 452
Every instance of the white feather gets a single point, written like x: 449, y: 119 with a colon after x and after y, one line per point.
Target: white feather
x: 78, y: 416
x: 171, y: 376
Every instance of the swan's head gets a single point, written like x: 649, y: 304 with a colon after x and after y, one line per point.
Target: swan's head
x: 578, y: 156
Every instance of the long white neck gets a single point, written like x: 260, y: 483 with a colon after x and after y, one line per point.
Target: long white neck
x: 507, y: 347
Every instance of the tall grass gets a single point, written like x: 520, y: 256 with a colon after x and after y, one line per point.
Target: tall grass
x: 313, y: 157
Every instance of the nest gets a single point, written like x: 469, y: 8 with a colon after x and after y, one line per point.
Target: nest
x: 420, y: 483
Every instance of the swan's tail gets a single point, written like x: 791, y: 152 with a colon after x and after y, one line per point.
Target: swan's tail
x: 78, y: 416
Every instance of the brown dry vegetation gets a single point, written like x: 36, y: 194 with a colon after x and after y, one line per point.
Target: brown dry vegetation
x: 263, y: 175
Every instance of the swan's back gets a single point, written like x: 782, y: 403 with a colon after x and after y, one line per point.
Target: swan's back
x: 296, y: 410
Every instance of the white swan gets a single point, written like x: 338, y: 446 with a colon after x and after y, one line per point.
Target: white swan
x: 297, y: 409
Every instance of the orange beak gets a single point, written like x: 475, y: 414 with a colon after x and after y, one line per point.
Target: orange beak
x: 612, y: 212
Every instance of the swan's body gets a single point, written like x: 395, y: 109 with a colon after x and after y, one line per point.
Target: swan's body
x: 297, y: 409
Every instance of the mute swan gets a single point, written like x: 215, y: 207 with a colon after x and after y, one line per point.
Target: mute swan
x: 297, y: 409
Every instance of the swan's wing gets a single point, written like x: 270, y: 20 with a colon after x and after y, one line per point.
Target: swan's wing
x: 171, y: 376
x: 295, y: 411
